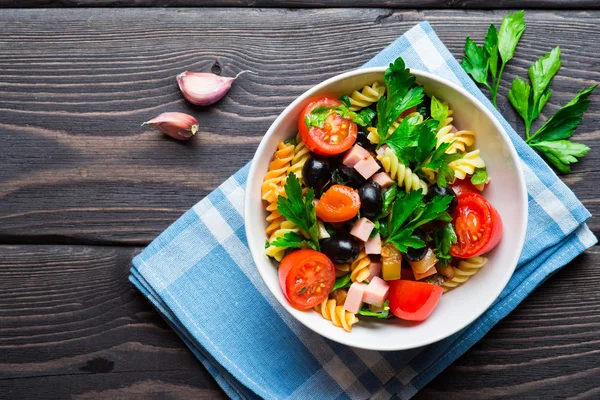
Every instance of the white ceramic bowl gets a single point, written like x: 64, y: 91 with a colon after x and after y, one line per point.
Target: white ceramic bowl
x: 459, y: 307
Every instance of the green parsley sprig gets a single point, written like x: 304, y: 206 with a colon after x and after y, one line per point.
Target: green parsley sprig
x: 444, y: 238
x: 384, y: 314
x: 319, y: 114
x: 409, y: 213
x: 300, y: 210
x: 499, y: 47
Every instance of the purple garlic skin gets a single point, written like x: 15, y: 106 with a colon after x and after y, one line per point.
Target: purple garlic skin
x: 175, y: 124
x: 204, y: 88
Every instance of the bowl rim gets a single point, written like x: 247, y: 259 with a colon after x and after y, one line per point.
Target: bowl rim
x: 257, y: 253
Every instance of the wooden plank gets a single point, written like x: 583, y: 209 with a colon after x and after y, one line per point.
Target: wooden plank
x: 76, y: 84
x: 72, y: 325
x: 404, y: 4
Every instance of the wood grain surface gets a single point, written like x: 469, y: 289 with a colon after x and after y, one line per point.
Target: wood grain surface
x: 71, y: 324
x: 82, y: 184
x: 397, y: 4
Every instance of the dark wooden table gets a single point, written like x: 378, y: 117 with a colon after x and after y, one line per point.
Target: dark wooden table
x: 83, y: 188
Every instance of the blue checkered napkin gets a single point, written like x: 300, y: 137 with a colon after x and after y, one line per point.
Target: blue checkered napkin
x: 200, y: 276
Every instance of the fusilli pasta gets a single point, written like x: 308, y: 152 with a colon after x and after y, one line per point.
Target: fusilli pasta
x: 402, y: 174
x: 466, y: 165
x: 301, y: 154
x: 360, y: 267
x: 331, y: 311
x: 273, y: 183
x: 465, y: 270
x: 367, y: 96
x: 278, y: 252
x: 342, y: 269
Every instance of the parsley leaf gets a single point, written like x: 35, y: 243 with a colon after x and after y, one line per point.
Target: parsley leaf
x: 346, y: 100
x: 439, y: 111
x: 342, y: 282
x: 509, y: 34
x: 388, y: 198
x: 444, y: 238
x: 480, y: 176
x: 401, y: 94
x: 319, y: 114
x: 561, y: 153
x: 440, y: 161
x: 491, y: 47
x: 403, y: 140
x: 476, y: 62
x: 409, y: 213
x: 300, y: 209
x: 384, y: 314
x: 292, y: 240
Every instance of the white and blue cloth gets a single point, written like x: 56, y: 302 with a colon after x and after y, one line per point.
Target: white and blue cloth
x: 200, y: 276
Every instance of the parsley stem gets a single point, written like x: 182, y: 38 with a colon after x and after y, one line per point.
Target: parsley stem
x: 497, y: 84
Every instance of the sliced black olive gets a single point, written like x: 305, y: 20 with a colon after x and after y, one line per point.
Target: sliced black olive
x: 340, y: 248
x: 435, y: 190
x: 363, y: 141
x: 344, y: 175
x: 371, y: 200
x: 316, y: 171
x: 425, y: 107
x: 417, y: 254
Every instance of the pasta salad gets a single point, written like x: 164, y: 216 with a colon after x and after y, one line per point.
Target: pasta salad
x: 374, y: 208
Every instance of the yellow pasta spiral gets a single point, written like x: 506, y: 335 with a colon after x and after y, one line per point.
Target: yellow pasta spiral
x: 301, y: 154
x: 401, y: 173
x: 367, y: 96
x: 360, y: 267
x: 342, y: 269
x: 466, y: 165
x: 274, y: 180
x: 335, y: 313
x: 285, y: 227
x: 465, y: 270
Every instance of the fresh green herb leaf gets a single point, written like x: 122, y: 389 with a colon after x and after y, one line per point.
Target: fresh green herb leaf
x: 491, y: 47
x: 439, y: 111
x: 318, y: 115
x: 426, y: 133
x: 302, y: 290
x: 409, y: 213
x: 384, y: 314
x: 365, y: 116
x: 444, y: 238
x: 561, y: 153
x: 476, y: 62
x: 267, y: 244
x: 346, y: 100
x: 403, y: 140
x: 519, y: 95
x: 509, y: 34
x: 291, y: 141
x: 342, y: 282
x: 375, y: 230
x: 384, y: 229
x: 300, y: 209
x: 440, y: 160
x: 480, y: 176
x: 388, y: 198
x: 291, y: 240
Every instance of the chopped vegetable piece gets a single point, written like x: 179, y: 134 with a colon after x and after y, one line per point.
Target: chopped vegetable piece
x: 413, y: 301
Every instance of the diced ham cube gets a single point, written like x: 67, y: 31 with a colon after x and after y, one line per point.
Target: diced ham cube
x: 376, y: 292
x: 362, y: 229
x: 383, y: 178
x: 373, y: 245
x: 453, y: 129
x: 354, y: 298
x: 381, y: 151
x: 356, y: 154
x: 367, y: 167
x: 425, y: 274
x: 374, y: 270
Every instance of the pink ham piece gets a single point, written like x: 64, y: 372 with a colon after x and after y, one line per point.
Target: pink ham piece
x: 381, y: 151
x: 367, y: 167
x: 383, y: 178
x: 453, y: 130
x: 354, y: 298
x: 376, y: 292
x: 425, y: 274
x: 374, y: 270
x: 356, y: 154
x: 373, y: 245
x: 362, y: 229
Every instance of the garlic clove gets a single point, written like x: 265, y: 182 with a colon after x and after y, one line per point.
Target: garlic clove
x: 175, y: 124
x: 204, y: 88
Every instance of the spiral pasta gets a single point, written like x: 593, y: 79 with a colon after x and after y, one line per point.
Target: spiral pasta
x: 466, y: 165
x: 360, y: 267
x: 332, y: 311
x: 401, y: 173
x: 284, y: 227
x: 342, y: 269
x: 465, y: 270
x: 301, y: 154
x: 273, y: 183
x: 367, y: 96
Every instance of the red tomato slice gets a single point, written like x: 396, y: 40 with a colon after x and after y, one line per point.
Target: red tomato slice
x: 413, y: 301
x: 338, y: 204
x: 306, y: 277
x: 463, y: 186
x: 337, y: 134
x: 477, y: 224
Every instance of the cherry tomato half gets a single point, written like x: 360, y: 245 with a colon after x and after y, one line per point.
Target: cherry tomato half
x: 338, y: 204
x: 477, y: 224
x: 306, y: 277
x: 463, y: 186
x: 413, y: 301
x: 337, y: 134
